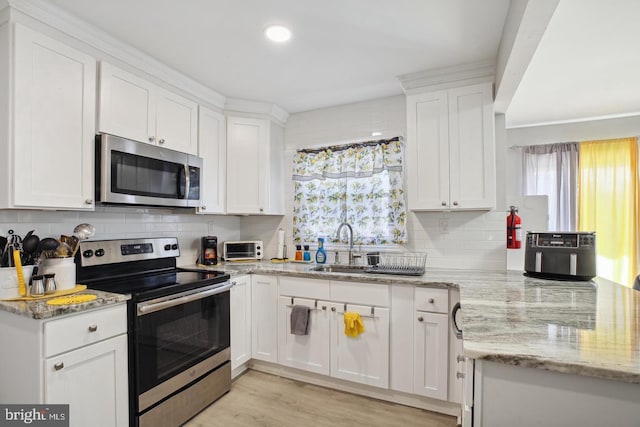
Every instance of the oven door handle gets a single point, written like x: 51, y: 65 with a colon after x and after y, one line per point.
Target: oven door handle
x: 151, y: 307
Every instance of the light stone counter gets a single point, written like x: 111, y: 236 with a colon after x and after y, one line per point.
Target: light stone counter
x: 583, y: 328
x: 40, y: 310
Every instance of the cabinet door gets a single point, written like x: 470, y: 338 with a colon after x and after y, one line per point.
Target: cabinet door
x: 93, y: 381
x: 176, y: 122
x: 213, y: 150
x: 264, y: 318
x: 471, y: 139
x: 365, y: 358
x: 428, y: 151
x: 240, y: 321
x: 308, y: 352
x: 431, y: 352
x: 127, y: 105
x: 54, y: 106
x: 246, y: 165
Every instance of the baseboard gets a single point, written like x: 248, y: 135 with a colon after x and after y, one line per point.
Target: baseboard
x: 434, y: 405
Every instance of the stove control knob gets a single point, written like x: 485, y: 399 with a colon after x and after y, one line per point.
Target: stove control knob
x: 99, y: 252
x: 167, y: 247
x: 88, y: 253
x: 174, y: 246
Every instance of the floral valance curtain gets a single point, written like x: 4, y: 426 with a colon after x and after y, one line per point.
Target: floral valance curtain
x: 361, y: 184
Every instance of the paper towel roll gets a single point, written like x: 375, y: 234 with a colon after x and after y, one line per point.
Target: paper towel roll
x: 280, y: 243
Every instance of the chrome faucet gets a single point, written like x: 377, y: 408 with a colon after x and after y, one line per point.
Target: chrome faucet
x: 351, y: 262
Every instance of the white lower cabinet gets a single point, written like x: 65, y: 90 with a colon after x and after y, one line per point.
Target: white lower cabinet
x: 365, y: 358
x: 92, y: 380
x: 79, y: 359
x: 430, y: 373
x: 264, y: 318
x: 308, y: 352
x: 240, y: 321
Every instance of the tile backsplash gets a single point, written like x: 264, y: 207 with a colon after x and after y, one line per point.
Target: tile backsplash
x: 127, y: 222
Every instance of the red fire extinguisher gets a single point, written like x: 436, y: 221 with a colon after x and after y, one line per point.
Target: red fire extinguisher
x: 514, y: 229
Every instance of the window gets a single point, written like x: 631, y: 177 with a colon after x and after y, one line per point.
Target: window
x: 552, y: 170
x: 592, y: 186
x: 361, y: 184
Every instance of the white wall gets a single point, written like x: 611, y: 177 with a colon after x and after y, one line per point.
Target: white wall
x: 130, y: 222
x: 469, y: 240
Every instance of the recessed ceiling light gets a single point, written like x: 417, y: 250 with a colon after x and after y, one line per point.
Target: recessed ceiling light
x: 376, y: 133
x: 277, y: 33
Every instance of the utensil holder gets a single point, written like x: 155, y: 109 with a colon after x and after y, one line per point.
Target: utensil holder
x: 64, y: 270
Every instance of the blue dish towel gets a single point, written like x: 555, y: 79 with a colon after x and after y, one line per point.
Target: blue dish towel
x: 300, y: 320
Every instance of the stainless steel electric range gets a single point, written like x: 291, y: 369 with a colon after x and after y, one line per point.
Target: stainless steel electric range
x: 178, y: 325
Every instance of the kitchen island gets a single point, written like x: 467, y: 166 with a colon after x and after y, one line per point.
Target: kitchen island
x: 551, y: 352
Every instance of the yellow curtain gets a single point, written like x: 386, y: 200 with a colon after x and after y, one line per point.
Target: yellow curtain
x: 607, y: 204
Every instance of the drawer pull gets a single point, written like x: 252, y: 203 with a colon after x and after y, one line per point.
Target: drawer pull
x: 460, y: 358
x: 58, y: 366
x: 93, y: 328
x: 431, y: 300
x: 459, y: 375
x: 324, y: 307
x: 420, y: 319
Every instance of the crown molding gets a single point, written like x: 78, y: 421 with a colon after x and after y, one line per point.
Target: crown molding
x: 100, y: 40
x: 446, y: 77
x: 273, y: 111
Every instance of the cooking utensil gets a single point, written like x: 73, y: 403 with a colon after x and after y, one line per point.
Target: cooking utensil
x: 45, y: 246
x: 29, y: 248
x: 84, y: 231
x: 15, y: 244
x: 18, y: 263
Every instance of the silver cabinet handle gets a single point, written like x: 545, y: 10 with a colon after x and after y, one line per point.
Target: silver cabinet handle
x: 204, y: 208
x: 261, y: 210
x: 455, y: 203
x: 444, y: 203
x: 420, y: 319
x: 431, y: 300
x: 459, y: 358
x: 161, y: 141
x: 459, y: 375
x: 58, y: 366
x: 333, y: 309
x: 88, y: 202
x: 93, y: 328
x: 152, y: 138
x: 324, y: 307
x: 234, y: 283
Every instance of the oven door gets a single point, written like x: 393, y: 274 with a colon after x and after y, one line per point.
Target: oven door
x: 174, y: 333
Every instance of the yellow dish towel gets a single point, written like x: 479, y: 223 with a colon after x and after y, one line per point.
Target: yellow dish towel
x: 353, y: 325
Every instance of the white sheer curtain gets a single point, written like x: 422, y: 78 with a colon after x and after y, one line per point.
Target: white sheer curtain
x: 552, y: 170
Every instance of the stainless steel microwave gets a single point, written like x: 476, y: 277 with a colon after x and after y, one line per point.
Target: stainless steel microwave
x: 135, y: 173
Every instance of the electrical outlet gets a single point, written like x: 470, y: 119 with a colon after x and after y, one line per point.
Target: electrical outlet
x: 444, y: 225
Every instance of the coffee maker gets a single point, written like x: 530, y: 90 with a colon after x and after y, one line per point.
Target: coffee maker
x: 209, y: 250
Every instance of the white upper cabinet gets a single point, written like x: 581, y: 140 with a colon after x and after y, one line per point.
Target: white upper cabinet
x: 212, y: 147
x: 134, y: 108
x: 46, y: 144
x: 254, y: 167
x: 451, y: 149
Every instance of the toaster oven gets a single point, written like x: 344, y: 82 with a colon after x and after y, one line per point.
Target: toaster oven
x: 243, y: 250
x: 561, y: 255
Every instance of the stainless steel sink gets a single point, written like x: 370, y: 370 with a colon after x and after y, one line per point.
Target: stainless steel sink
x: 340, y: 268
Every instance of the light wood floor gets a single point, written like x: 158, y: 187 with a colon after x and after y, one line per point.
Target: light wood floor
x: 259, y: 399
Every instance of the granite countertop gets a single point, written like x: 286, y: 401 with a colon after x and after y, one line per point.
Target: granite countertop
x: 583, y: 328
x: 40, y: 310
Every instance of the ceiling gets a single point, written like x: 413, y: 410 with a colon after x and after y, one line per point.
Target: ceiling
x: 585, y: 67
x: 341, y: 51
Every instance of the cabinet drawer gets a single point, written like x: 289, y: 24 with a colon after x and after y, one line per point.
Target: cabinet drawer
x: 430, y: 299
x: 82, y: 329
x: 360, y: 293
x: 304, y: 287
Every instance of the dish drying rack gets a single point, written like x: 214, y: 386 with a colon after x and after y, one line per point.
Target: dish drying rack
x: 408, y: 263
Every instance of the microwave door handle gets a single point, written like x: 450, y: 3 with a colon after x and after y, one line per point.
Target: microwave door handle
x: 187, y: 182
